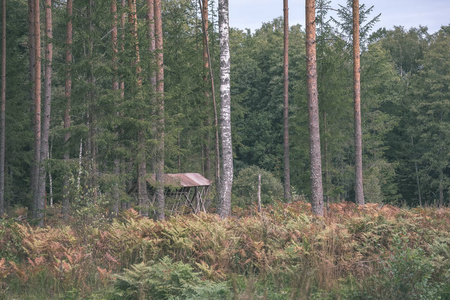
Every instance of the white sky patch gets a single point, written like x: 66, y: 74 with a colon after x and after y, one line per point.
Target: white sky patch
x: 407, y: 13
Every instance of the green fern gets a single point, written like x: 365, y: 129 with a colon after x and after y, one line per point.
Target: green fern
x: 166, y: 280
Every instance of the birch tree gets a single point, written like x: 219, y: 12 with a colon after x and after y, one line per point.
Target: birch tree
x: 313, y: 111
x: 224, y: 205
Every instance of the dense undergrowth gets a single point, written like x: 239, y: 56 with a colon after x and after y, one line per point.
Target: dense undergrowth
x: 369, y: 252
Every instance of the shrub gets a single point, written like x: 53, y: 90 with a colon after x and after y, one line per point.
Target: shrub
x: 245, y: 187
x: 166, y: 280
x: 405, y: 274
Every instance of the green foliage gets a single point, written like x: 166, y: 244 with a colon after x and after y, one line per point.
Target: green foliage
x: 166, y: 280
x: 420, y: 135
x: 245, y: 187
x: 10, y: 240
x: 405, y: 274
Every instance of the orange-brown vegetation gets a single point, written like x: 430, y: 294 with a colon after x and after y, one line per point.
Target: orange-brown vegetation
x: 349, y: 241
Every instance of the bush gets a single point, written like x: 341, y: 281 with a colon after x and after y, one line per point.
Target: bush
x: 166, y: 280
x: 405, y: 274
x: 245, y: 187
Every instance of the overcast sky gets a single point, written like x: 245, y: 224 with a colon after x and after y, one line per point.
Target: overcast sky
x: 408, y: 13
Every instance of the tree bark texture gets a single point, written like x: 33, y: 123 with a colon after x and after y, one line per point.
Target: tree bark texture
x: 115, y: 81
x: 151, y: 38
x: 224, y: 207
x: 122, y: 44
x: 159, y: 165
x: 152, y: 52
x: 132, y: 18
x: 144, y: 202
x: 207, y: 140
x: 68, y: 95
x: 359, y: 191
x: 115, y: 88
x: 287, y: 172
x: 32, y: 65
x: 313, y: 111
x: 92, y: 112
x: 47, y: 100
x: 213, y: 92
x: 38, y: 204
x: 3, y: 115
x: 32, y: 51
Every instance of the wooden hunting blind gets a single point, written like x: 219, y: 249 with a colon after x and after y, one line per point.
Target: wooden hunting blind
x: 192, y: 188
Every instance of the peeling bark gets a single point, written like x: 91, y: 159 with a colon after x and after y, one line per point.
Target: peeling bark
x: 224, y: 206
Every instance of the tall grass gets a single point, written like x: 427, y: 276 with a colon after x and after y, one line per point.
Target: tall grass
x: 371, y: 252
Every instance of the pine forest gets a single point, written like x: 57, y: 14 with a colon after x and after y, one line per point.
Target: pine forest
x: 148, y: 150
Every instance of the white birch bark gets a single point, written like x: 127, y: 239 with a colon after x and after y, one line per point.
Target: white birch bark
x: 226, y: 182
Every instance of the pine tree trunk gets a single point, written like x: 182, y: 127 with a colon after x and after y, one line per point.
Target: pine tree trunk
x: 313, y: 110
x: 92, y: 111
x: 144, y: 202
x: 68, y: 95
x: 32, y: 65
x: 47, y: 100
x: 122, y: 44
x: 3, y: 116
x: 115, y: 88
x: 359, y: 192
x: 151, y: 38
x: 224, y: 206
x: 115, y: 82
x: 152, y: 53
x: 159, y: 166
x: 132, y: 18
x: 287, y: 172
x: 213, y: 92
x: 38, y: 204
x: 207, y: 139
x: 124, y: 205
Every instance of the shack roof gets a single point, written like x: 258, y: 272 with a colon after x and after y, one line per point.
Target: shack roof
x: 181, y: 180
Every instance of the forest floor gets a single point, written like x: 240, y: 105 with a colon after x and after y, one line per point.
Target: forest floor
x: 370, y: 252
